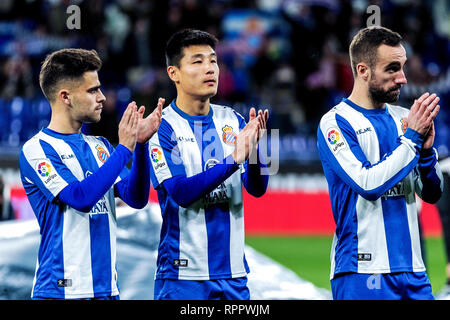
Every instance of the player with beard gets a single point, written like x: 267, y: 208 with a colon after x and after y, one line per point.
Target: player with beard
x: 376, y: 157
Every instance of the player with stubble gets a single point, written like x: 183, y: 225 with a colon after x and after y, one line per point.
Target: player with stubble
x: 376, y: 158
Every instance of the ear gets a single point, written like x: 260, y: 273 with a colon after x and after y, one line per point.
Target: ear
x: 64, y: 96
x: 172, y: 71
x: 363, y: 71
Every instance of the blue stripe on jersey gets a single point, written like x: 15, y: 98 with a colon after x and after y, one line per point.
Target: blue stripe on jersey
x: 170, y: 235
x: 217, y: 219
x: 100, y: 253
x: 397, y: 234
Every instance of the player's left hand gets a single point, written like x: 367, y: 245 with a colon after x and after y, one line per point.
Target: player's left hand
x: 148, y: 126
x: 263, y: 116
x: 429, y: 137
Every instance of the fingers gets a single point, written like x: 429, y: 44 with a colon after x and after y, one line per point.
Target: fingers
x: 160, y: 105
x: 252, y: 114
x: 434, y: 113
x: 266, y: 115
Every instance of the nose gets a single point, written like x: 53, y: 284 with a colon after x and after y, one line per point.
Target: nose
x: 401, y: 78
x: 101, y: 96
x: 210, y: 68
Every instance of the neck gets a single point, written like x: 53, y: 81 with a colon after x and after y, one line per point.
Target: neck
x: 192, y: 106
x: 360, y: 95
x: 61, y: 122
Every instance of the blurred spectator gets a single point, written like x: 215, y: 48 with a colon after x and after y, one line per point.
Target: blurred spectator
x: 16, y: 78
x: 6, y: 211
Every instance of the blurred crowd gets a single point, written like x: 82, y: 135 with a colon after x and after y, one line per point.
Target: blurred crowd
x: 290, y: 56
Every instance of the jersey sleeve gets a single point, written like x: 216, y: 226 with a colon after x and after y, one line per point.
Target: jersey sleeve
x: 340, y: 151
x: 429, y: 181
x: 41, y: 167
x: 165, y: 157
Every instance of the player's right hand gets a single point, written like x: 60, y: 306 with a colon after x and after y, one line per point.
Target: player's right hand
x: 247, y: 139
x: 423, y: 112
x: 128, y: 127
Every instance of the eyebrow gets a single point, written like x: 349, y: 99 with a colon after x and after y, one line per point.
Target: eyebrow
x: 94, y: 88
x: 393, y: 64
x: 201, y: 55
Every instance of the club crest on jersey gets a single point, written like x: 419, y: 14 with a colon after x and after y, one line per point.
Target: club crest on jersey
x: 335, y: 140
x: 102, y: 155
x: 228, y: 136
x: 404, y: 125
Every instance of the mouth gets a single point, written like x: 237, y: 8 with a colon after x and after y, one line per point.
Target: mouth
x: 210, y: 82
x: 396, y: 89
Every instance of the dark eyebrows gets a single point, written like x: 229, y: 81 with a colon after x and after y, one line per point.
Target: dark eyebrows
x: 201, y: 55
x: 95, y: 88
x: 394, y: 65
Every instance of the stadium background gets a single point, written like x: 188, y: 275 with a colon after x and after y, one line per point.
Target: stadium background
x: 289, y: 56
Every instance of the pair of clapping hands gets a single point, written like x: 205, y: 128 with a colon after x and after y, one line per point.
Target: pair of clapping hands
x: 133, y: 128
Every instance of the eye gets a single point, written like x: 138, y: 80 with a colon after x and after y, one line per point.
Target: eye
x: 197, y: 61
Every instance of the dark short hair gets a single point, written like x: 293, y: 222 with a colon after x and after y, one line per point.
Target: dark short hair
x: 66, y: 64
x: 185, y: 38
x: 365, y: 43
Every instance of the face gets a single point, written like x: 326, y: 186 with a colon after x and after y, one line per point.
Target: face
x: 387, y: 76
x: 86, y: 98
x: 198, y: 73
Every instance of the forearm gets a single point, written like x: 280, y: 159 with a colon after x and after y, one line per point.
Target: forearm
x: 135, y: 188
x: 83, y: 195
x: 256, y: 177
x: 369, y: 180
x: 431, y: 179
x: 187, y: 190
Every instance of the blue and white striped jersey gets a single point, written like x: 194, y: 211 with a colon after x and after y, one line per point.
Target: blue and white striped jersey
x: 375, y: 167
x: 205, y: 240
x: 77, y: 252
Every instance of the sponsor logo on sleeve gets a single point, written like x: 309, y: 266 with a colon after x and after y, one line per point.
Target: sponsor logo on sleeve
x: 335, y: 140
x: 156, y: 156
x: 46, y: 171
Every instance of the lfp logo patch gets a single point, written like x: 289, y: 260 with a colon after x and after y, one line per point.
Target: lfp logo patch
x: 44, y: 169
x: 228, y: 136
x: 156, y: 155
x: 102, y: 155
x: 336, y: 140
x: 333, y: 136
